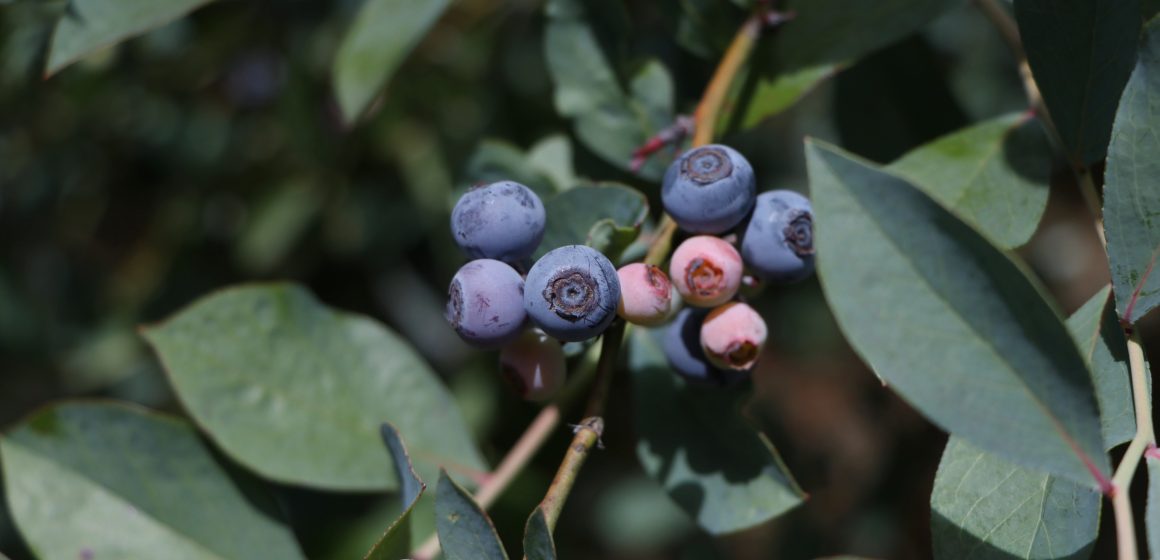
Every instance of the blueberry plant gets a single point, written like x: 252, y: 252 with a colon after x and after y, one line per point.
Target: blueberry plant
x: 569, y: 284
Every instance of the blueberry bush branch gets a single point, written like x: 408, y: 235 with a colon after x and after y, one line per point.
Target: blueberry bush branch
x: 709, y: 108
x: 538, y: 432
x: 511, y: 465
x: 1144, y: 438
x: 588, y: 434
x: 1007, y: 28
x: 609, y: 351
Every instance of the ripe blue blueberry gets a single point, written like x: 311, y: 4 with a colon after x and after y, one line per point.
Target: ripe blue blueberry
x: 485, y: 303
x: 572, y: 293
x: 502, y: 220
x: 709, y: 189
x: 682, y: 347
x: 778, y: 245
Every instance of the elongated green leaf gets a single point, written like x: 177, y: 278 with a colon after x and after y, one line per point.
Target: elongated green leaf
x: 994, y: 175
x: 103, y: 480
x: 984, y: 507
x: 1132, y: 191
x: 381, y: 36
x: 774, y: 94
x: 824, y: 36
x: 90, y: 25
x: 1152, y: 513
x: 297, y: 391
x: 396, y: 540
x: 605, y: 216
x: 538, y: 543
x: 465, y: 531
x: 1100, y: 338
x: 695, y: 443
x: 1080, y: 52
x: 952, y: 323
x: 607, y: 120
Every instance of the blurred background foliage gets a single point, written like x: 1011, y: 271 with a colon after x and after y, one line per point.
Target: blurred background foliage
x: 211, y: 151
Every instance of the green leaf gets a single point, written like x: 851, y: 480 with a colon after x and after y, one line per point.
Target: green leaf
x: 1097, y: 331
x: 276, y: 224
x: 497, y: 160
x: 772, y: 95
x: 994, y: 175
x: 608, y: 121
x: 552, y: 156
x: 605, y: 216
x: 705, y: 27
x: 465, y: 531
x: 694, y: 442
x: 949, y: 321
x: 634, y: 515
x: 824, y: 36
x: 395, y: 542
x: 984, y: 507
x: 297, y: 391
x: 1152, y: 511
x: 538, y: 543
x: 90, y: 25
x: 383, y: 33
x: 1080, y: 52
x: 116, y: 481
x: 1132, y: 190
x: 831, y: 32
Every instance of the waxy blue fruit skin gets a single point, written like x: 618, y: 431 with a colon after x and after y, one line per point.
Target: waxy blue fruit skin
x: 502, y: 220
x: 572, y: 292
x: 485, y: 303
x: 778, y: 245
x: 709, y: 189
x: 682, y: 347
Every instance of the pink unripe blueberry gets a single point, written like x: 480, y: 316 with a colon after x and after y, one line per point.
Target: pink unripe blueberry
x: 533, y: 365
x: 645, y: 294
x: 732, y: 336
x: 706, y: 271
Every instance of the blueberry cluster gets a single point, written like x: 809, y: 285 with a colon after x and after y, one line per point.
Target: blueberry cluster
x: 570, y: 294
x: 711, y: 191
x: 573, y: 293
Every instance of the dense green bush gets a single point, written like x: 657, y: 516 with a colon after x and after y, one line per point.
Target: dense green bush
x: 224, y: 251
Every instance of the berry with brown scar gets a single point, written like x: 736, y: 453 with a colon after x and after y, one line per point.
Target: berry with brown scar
x: 706, y: 271
x: 645, y: 294
x: 732, y: 336
x: 572, y: 293
x: 709, y: 189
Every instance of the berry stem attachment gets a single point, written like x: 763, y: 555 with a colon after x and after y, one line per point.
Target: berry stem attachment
x: 609, y: 351
x: 709, y: 109
x: 714, y: 98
